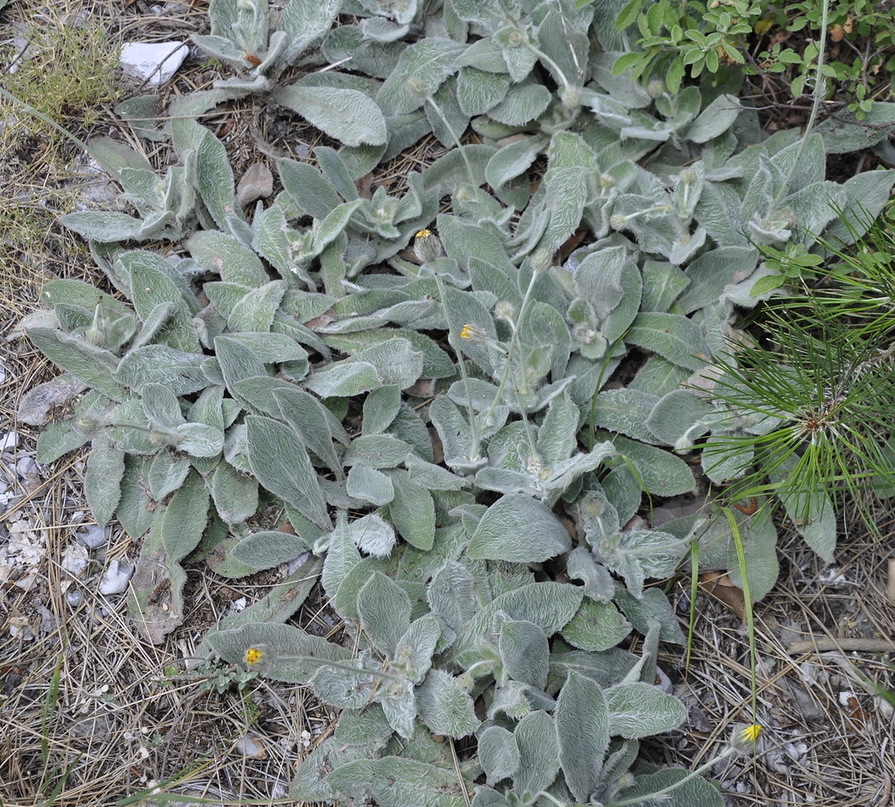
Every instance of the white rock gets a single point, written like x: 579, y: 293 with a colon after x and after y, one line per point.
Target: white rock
x: 117, y: 577
x: 251, y: 747
x: 9, y: 441
x: 26, y: 466
x: 155, y: 62
x: 92, y: 536
x: 74, y: 559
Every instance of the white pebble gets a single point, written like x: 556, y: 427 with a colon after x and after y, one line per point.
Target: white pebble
x: 26, y: 466
x: 93, y: 536
x: 117, y: 577
x: 74, y: 560
x: 251, y: 748
x: 9, y: 441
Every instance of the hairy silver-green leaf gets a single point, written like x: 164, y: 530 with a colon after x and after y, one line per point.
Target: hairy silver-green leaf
x: 91, y: 364
x: 180, y: 372
x: 420, y: 71
x: 166, y: 474
x: 524, y: 652
x: 638, y: 554
x: 478, y: 91
x: 369, y: 484
x: 398, y: 782
x: 372, y: 533
x: 637, y: 709
x: 597, y: 626
x: 280, y: 461
x: 291, y: 654
x: 451, y: 594
x: 583, y: 728
x: 624, y: 411
x: 412, y: 511
x: 518, y: 528
x: 445, y: 706
x: 672, y: 336
x: 676, y: 419
x: 102, y: 479
x: 695, y: 792
x: 304, y: 21
x: 235, y: 495
x: 714, y: 120
x: 539, y: 752
x: 598, y: 583
x: 522, y: 103
x: 498, y: 753
x: 550, y: 605
x: 413, y: 655
x: 268, y: 548
x: 384, y: 610
x: 661, y: 473
x: 652, y: 607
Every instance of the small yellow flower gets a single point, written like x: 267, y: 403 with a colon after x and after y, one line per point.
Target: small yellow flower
x: 745, y: 738
x: 424, y: 234
x: 473, y: 333
x: 752, y: 733
x: 253, y: 656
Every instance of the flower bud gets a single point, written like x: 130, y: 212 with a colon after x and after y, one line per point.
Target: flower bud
x: 505, y: 310
x: 656, y: 88
x: 571, y: 98
x: 427, y: 246
x: 617, y: 221
x: 95, y: 336
x: 541, y: 260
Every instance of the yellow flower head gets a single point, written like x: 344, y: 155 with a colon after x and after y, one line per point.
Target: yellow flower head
x: 424, y: 234
x: 472, y: 332
x: 745, y: 738
x: 752, y: 733
x: 253, y: 656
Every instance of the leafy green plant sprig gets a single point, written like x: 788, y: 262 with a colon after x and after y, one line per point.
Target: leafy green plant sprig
x: 296, y: 364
